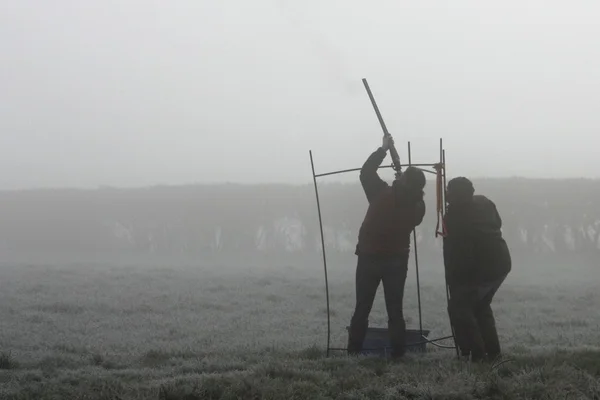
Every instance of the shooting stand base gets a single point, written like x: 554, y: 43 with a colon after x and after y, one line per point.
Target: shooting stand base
x: 377, y: 342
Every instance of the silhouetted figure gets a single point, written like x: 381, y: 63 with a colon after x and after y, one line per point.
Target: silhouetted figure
x: 384, y: 245
x: 477, y: 261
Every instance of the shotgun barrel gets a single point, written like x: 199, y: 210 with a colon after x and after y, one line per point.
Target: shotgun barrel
x: 393, y: 151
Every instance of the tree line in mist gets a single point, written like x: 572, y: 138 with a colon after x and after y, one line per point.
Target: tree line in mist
x: 540, y: 216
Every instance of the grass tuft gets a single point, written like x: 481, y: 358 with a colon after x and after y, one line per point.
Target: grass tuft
x: 7, y: 361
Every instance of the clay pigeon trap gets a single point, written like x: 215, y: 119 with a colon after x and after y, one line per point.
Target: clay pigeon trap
x: 377, y: 341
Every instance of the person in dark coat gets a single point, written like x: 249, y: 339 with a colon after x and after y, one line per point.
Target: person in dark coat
x: 383, y: 247
x: 477, y: 261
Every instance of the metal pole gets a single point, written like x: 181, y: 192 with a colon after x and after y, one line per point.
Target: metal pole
x: 342, y: 171
x: 444, y: 210
x: 312, y: 165
x: 416, y: 260
x: 444, y: 161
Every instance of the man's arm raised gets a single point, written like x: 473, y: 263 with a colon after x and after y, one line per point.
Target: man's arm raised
x: 369, y: 178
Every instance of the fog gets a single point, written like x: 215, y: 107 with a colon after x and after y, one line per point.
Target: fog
x: 166, y: 281
x: 134, y: 93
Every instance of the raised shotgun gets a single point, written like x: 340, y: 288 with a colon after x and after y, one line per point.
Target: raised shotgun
x: 395, y: 157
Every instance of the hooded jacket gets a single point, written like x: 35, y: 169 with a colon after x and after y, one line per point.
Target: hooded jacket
x: 393, y: 212
x: 474, y: 250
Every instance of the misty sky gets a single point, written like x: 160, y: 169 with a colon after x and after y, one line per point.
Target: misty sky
x: 141, y: 92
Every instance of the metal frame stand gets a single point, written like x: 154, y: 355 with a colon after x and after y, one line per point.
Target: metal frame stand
x: 441, y: 165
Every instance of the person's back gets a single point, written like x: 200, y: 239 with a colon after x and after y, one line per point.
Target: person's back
x: 479, y: 222
x: 388, y: 222
x: 477, y: 261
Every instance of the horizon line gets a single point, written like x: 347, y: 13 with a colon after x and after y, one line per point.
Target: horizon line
x: 237, y: 183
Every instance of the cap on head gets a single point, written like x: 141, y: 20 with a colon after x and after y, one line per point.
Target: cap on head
x: 459, y: 190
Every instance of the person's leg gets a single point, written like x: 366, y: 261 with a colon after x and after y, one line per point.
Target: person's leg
x: 460, y: 337
x: 462, y: 303
x: 394, y: 279
x: 486, y: 321
x: 367, y: 282
x: 487, y: 327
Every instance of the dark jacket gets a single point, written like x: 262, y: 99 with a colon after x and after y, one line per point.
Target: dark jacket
x: 474, y: 250
x: 393, y: 212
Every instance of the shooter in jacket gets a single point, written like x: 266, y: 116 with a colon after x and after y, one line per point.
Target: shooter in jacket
x: 384, y: 245
x: 477, y: 261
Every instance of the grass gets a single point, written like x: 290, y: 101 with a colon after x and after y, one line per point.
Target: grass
x: 105, y: 332
x: 7, y: 361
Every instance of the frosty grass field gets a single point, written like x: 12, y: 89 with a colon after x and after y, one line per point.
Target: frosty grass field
x: 119, y: 332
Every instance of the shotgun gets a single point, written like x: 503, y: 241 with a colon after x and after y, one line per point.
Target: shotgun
x: 395, y: 157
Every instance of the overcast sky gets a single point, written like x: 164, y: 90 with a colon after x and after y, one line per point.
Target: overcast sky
x: 141, y: 92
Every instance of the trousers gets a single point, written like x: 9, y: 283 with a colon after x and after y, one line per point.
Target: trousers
x: 370, y: 271
x: 474, y: 324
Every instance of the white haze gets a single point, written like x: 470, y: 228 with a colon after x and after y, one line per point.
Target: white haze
x: 132, y: 92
